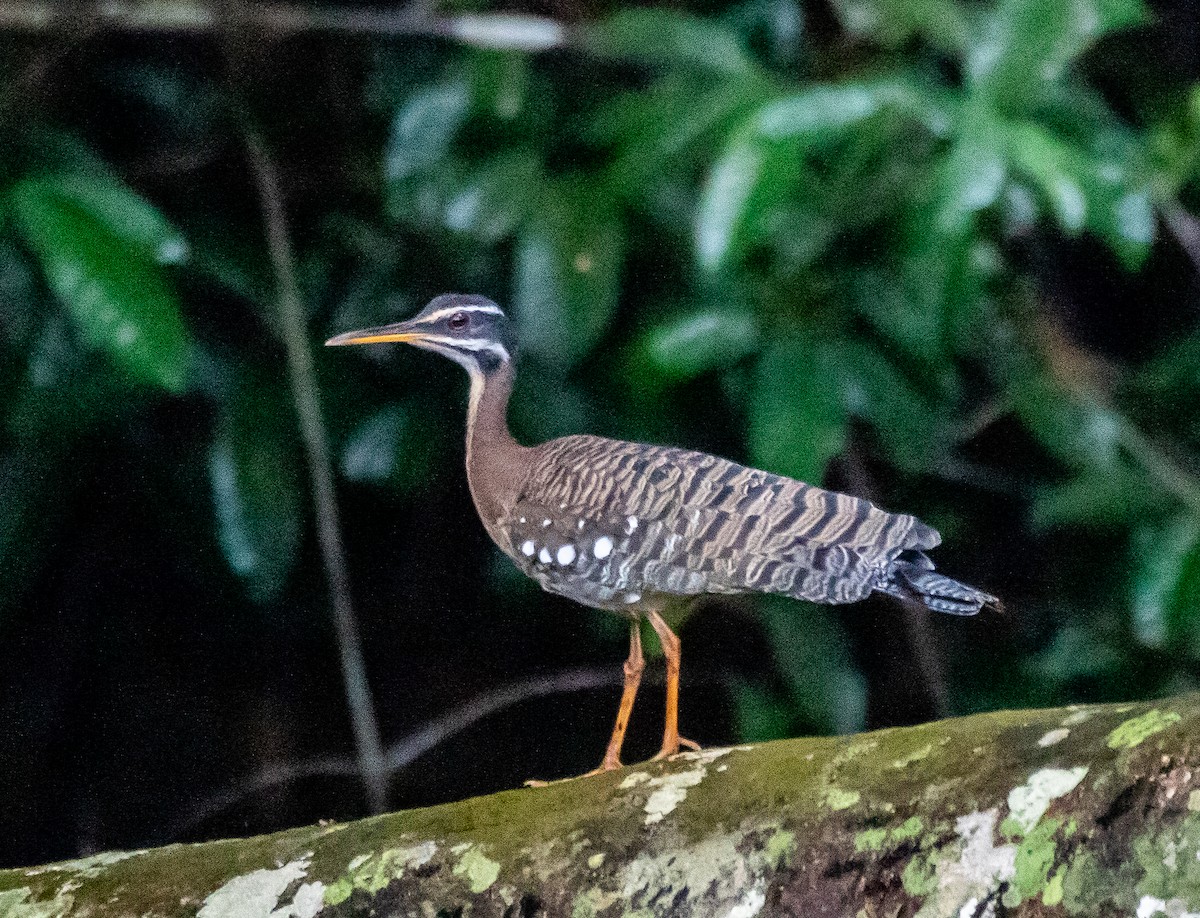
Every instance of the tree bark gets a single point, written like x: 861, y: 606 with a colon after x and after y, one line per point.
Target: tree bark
x: 1087, y: 810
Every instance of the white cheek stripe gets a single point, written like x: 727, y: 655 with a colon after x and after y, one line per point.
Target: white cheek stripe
x: 469, y: 344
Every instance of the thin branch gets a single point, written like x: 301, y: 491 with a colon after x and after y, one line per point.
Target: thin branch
x: 409, y: 748
x: 188, y: 16
x: 1158, y: 465
x: 513, y: 31
x: 436, y: 732
x: 24, y: 88
x: 306, y: 397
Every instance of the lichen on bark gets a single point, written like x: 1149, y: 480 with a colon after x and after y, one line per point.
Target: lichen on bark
x: 1090, y: 810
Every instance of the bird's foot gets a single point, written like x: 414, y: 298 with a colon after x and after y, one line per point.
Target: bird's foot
x: 609, y: 764
x: 671, y: 746
x: 605, y: 768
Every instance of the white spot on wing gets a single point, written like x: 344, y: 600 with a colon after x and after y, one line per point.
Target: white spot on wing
x: 527, y: 549
x: 544, y: 556
x: 582, y: 523
x: 566, y: 554
x: 545, y: 523
x: 631, y: 524
x: 603, y: 547
x: 631, y: 598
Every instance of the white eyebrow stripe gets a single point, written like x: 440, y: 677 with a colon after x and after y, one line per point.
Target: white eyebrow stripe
x: 450, y: 310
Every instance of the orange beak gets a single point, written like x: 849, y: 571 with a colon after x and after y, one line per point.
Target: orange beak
x: 384, y: 334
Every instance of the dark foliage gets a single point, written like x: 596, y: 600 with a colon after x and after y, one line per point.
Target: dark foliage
x: 940, y: 254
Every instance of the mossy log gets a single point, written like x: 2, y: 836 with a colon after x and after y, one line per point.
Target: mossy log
x: 1090, y: 810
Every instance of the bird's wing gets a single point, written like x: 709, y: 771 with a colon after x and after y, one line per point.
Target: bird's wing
x: 638, y: 518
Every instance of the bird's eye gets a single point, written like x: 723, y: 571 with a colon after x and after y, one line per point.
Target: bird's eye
x: 458, y: 321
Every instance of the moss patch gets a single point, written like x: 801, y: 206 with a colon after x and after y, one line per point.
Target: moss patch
x: 1137, y: 729
x: 14, y: 903
x: 479, y: 869
x: 371, y: 873
x: 1034, y: 862
x: 915, y: 756
x: 885, y: 838
x: 837, y: 798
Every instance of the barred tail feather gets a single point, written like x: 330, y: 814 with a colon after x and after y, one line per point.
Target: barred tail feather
x: 911, y: 576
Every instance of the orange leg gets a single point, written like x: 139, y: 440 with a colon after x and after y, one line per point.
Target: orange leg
x: 633, y: 676
x: 671, y: 650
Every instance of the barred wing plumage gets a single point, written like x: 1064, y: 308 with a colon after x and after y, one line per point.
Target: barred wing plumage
x: 610, y: 524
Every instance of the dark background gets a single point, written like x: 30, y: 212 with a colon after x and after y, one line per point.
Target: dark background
x: 941, y: 255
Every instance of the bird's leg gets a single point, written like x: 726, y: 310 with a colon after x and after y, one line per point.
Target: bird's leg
x: 671, y: 650
x: 633, y: 676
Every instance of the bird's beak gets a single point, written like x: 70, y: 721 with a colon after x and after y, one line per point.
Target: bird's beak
x: 384, y: 334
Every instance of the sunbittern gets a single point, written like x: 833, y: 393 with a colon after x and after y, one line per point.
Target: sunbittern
x: 624, y: 526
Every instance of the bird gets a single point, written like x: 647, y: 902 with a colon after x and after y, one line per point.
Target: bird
x: 629, y: 527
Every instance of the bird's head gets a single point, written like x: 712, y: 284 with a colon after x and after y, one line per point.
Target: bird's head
x: 467, y: 328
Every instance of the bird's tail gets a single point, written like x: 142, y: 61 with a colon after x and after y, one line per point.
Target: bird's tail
x: 911, y: 576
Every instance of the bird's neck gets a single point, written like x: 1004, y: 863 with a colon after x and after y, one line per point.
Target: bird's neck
x: 496, y: 463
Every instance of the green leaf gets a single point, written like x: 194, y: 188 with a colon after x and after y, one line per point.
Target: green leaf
x: 1076, y: 431
x: 777, y: 26
x: 699, y: 341
x: 728, y: 188
x: 761, y: 717
x: 909, y: 309
x: 393, y: 445
x: 1027, y: 45
x: 483, y: 201
x: 1060, y: 171
x: 797, y: 419
x: 108, y: 280
x: 124, y: 213
x: 1097, y: 496
x: 668, y: 38
x: 567, y: 277
x: 893, y: 23
x: 256, y: 489
x: 1128, y: 222
x: 495, y: 197
x: 424, y: 128
x: 933, y: 304
x: 668, y: 130
x: 762, y: 163
x: 1175, y: 145
x: 970, y: 179
x: 908, y: 424
x: 821, y: 113
x: 812, y: 653
x: 500, y: 83
x: 1103, y: 187
x: 1166, y: 584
